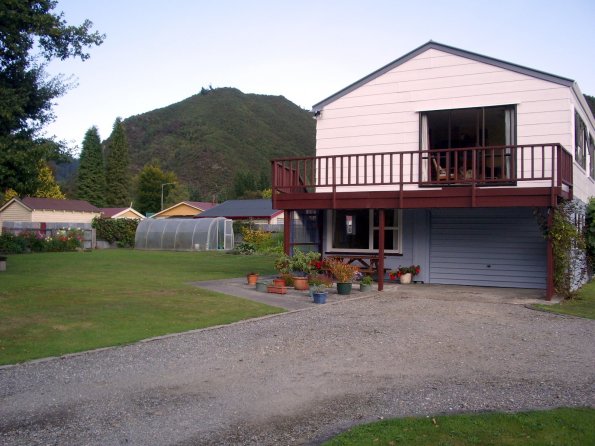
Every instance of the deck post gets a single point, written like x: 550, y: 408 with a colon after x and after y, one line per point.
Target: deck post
x: 380, y: 249
x: 549, y: 291
x: 287, y: 231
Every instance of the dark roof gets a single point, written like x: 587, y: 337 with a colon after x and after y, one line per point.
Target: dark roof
x: 204, y: 205
x: 447, y: 49
x: 55, y: 204
x: 242, y: 209
x: 110, y: 212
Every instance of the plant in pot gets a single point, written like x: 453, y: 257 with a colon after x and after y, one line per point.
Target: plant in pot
x: 282, y: 265
x: 344, y: 275
x: 252, y: 278
x: 301, y: 265
x: 365, y: 284
x: 404, y: 273
x: 318, y: 282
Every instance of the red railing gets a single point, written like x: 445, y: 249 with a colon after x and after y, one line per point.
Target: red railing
x: 477, y: 166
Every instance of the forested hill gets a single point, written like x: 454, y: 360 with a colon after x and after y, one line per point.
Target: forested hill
x: 207, y: 138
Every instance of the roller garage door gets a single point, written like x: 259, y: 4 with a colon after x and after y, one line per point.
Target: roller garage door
x: 487, y: 247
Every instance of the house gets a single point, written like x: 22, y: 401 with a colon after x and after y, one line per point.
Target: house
x: 48, y: 210
x: 259, y: 212
x: 128, y: 212
x: 184, y: 209
x: 446, y: 159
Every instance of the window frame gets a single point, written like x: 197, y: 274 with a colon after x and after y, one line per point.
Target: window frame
x: 397, y: 230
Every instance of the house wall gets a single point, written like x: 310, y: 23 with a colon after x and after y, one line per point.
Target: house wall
x: 182, y: 210
x: 15, y: 212
x: 584, y: 185
x: 384, y: 114
x: 63, y: 216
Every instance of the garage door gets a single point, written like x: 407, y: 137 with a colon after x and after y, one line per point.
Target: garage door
x: 487, y: 247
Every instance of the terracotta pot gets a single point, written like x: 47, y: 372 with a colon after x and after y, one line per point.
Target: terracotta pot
x: 300, y: 283
x: 252, y: 279
x: 279, y: 282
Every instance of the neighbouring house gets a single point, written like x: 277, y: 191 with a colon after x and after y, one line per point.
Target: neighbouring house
x: 259, y: 212
x: 128, y: 212
x: 48, y: 210
x: 445, y: 159
x: 184, y: 209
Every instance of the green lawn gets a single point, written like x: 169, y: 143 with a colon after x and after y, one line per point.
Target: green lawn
x: 564, y: 427
x: 582, y: 305
x: 56, y: 303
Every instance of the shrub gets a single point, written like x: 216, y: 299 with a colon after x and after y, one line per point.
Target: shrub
x: 118, y: 230
x: 31, y: 241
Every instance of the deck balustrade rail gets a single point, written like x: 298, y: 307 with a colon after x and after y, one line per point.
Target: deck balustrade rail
x: 477, y: 166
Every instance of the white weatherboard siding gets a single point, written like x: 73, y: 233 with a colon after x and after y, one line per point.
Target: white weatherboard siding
x: 383, y: 115
x: 63, y: 216
x: 15, y: 212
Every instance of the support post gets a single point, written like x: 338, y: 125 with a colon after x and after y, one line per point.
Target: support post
x: 380, y: 249
x: 549, y: 291
x: 287, y: 231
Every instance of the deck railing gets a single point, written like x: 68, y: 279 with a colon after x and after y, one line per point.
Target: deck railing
x: 477, y: 166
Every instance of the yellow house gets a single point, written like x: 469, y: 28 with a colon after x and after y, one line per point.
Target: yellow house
x: 48, y: 210
x: 185, y: 209
x: 121, y: 213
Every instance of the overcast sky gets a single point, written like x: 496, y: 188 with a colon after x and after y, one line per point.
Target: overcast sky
x: 160, y: 52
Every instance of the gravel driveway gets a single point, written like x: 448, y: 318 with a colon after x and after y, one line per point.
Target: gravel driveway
x: 300, y: 377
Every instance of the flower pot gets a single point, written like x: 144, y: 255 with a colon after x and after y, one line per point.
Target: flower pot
x: 261, y: 286
x: 319, y: 297
x: 363, y: 287
x: 279, y: 282
x: 252, y: 278
x: 405, y: 278
x: 344, y: 288
x: 300, y: 283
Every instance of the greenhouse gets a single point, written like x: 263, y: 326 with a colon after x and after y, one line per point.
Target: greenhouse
x: 183, y: 234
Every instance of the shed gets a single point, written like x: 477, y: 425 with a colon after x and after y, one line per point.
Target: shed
x: 181, y: 234
x: 128, y: 212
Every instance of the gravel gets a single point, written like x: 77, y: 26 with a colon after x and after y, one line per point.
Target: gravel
x: 301, y: 377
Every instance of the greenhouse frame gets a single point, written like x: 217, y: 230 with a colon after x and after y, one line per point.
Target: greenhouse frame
x: 185, y: 234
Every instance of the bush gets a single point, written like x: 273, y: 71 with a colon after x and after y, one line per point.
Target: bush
x: 31, y: 241
x: 116, y: 230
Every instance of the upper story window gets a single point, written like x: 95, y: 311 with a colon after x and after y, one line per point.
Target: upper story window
x: 357, y: 230
x: 580, y: 141
x: 592, y: 155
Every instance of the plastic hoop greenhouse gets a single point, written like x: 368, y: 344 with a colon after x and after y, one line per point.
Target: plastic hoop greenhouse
x: 181, y: 234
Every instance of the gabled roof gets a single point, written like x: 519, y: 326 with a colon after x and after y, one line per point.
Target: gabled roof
x: 116, y: 212
x: 242, y: 209
x: 457, y: 52
x: 54, y: 204
x: 198, y: 205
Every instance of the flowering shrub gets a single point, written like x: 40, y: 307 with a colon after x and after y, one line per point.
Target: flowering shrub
x: 343, y: 272
x: 413, y: 270
x: 32, y: 241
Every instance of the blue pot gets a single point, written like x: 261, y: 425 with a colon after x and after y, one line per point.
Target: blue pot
x: 319, y: 297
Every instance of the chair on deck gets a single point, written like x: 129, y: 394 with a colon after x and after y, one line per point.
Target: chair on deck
x: 441, y: 173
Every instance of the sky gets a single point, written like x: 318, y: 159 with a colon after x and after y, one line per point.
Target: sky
x: 157, y: 53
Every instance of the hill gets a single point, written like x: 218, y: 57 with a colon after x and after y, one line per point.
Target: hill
x: 207, y: 138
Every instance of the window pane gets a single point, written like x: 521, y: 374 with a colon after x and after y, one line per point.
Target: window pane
x: 389, y: 239
x: 351, y: 229
x: 463, y: 128
x: 389, y: 218
x: 495, y: 126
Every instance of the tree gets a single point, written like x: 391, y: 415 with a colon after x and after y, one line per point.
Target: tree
x: 32, y: 34
x: 48, y: 188
x: 91, y: 173
x: 150, y: 182
x: 117, y: 174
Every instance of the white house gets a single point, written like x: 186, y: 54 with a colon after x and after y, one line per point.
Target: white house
x: 443, y: 158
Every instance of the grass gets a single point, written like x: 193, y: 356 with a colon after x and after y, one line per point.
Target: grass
x: 564, y: 426
x: 57, y: 303
x: 582, y: 305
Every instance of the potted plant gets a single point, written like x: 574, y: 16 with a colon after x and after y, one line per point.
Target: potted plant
x: 262, y: 286
x: 319, y: 295
x: 317, y: 282
x: 344, y: 274
x: 301, y: 265
x: 404, y: 273
x: 365, y: 283
x: 282, y: 265
x: 252, y: 278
